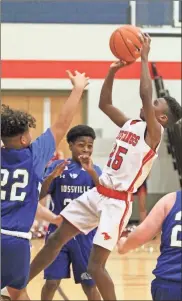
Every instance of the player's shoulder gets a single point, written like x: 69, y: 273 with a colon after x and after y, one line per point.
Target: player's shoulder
x: 97, y: 169
x: 96, y: 166
x: 168, y: 202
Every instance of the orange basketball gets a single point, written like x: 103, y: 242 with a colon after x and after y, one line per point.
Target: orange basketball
x: 126, y: 43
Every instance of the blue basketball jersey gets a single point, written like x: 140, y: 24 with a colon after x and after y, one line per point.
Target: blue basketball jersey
x: 169, y: 262
x: 21, y: 174
x: 70, y: 185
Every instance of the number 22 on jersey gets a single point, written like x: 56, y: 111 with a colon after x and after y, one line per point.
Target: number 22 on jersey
x: 5, y: 177
x: 116, y: 157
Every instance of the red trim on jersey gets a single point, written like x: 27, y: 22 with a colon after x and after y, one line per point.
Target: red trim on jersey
x: 148, y: 156
x: 123, y: 217
x: 111, y: 193
x: 134, y: 122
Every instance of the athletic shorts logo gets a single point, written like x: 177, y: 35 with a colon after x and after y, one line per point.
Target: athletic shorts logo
x: 106, y: 236
x: 86, y: 276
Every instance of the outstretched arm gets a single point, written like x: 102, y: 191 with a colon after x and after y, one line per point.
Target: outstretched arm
x: 153, y: 126
x: 150, y: 227
x: 105, y: 103
x: 49, y: 179
x: 68, y: 111
x: 45, y: 214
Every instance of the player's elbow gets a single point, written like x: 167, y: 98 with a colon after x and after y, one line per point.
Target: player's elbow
x: 101, y: 106
x: 104, y: 108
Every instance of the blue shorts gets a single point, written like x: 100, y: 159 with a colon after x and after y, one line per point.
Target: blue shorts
x: 15, y: 262
x: 75, y: 252
x: 163, y: 290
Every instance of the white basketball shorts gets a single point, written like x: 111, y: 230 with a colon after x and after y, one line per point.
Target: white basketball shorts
x: 93, y: 209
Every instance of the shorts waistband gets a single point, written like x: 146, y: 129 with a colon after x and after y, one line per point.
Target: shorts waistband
x: 113, y: 194
x: 17, y: 234
x: 166, y: 282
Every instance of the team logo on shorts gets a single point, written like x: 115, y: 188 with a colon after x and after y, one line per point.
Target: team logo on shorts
x: 106, y: 236
x: 86, y: 276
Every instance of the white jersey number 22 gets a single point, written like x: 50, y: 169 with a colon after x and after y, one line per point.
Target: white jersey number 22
x: 17, y: 185
x: 175, y: 231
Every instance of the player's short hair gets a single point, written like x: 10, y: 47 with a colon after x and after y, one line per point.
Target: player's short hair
x: 15, y: 122
x: 80, y: 131
x: 174, y: 110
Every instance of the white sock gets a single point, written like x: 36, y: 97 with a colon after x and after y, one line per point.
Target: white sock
x: 4, y: 292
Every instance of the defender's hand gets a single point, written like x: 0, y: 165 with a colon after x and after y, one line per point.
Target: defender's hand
x: 120, y: 244
x: 79, y: 80
x: 59, y: 169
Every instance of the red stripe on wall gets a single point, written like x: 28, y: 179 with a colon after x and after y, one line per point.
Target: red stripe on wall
x: 94, y: 69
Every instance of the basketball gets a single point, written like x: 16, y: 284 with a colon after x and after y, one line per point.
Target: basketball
x: 126, y: 43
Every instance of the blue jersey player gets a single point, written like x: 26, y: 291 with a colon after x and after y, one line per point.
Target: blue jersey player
x: 22, y: 167
x: 65, y: 187
x: 166, y: 216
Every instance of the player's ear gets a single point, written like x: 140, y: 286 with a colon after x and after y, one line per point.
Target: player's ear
x: 23, y: 140
x: 26, y: 139
x: 163, y: 118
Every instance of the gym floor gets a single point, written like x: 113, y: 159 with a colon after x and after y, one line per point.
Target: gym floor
x: 131, y: 273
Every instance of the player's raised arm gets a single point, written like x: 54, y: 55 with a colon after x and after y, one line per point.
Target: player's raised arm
x: 153, y: 126
x: 67, y: 112
x: 150, y: 227
x: 105, y: 103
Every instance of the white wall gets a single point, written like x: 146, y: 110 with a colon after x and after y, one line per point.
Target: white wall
x: 78, y: 42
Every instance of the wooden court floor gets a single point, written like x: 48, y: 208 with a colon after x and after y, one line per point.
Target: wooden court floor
x: 132, y: 274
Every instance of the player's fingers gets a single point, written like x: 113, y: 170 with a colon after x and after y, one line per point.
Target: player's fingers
x: 83, y: 157
x: 69, y: 73
x: 147, y: 38
x: 117, y: 62
x: 147, y: 35
x: 76, y: 72
x: 142, y: 38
